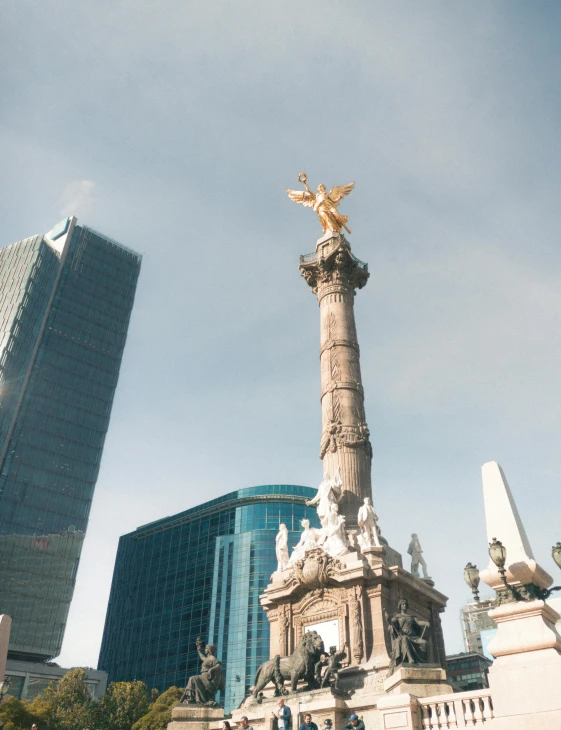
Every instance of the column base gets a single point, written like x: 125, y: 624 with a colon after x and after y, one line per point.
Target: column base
x: 194, y: 717
x: 420, y: 681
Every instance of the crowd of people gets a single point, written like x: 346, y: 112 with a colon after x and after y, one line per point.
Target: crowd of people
x: 283, y: 716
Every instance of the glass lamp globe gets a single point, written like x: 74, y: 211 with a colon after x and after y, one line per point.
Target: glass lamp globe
x: 471, y: 576
x: 497, y: 553
x: 556, y: 554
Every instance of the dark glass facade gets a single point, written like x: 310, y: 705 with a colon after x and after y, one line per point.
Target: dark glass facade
x: 199, y: 573
x: 468, y: 671
x: 65, y: 304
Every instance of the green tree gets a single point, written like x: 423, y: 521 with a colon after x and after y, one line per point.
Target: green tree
x: 122, y: 705
x: 16, y: 715
x: 64, y: 705
x: 159, y: 713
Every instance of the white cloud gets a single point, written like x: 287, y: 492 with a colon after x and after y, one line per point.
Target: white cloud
x: 77, y: 197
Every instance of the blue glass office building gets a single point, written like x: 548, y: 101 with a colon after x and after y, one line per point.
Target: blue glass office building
x: 199, y: 573
x: 65, y: 303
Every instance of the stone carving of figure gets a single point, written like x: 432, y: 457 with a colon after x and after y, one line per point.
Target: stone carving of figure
x: 333, y: 539
x: 318, y: 668
x: 329, y: 493
x: 358, y: 645
x: 417, y: 559
x: 368, y: 522
x: 281, y: 547
x: 329, y: 439
x: 333, y: 661
x: 283, y: 634
x: 308, y: 541
x: 202, y: 688
x: 406, y: 633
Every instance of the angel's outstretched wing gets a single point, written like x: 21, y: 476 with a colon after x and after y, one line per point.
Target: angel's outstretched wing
x: 302, y: 197
x: 339, y: 191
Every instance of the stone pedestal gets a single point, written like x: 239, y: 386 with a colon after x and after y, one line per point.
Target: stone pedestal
x: 400, y: 711
x: 420, y: 681
x: 526, y: 673
x: 194, y: 717
x: 354, y: 596
x: 322, y: 704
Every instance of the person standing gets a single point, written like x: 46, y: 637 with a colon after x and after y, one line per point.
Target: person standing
x: 308, y: 724
x: 283, y: 714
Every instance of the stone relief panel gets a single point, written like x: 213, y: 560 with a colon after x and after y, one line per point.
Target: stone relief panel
x: 321, y: 608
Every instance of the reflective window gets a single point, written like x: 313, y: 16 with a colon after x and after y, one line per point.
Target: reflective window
x: 199, y: 573
x: 59, y: 364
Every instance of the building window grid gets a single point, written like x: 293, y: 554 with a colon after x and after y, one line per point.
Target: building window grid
x: 176, y: 658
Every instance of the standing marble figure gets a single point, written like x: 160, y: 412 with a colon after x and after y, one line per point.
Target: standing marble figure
x: 368, y: 522
x: 416, y: 552
x: 281, y: 547
x: 328, y: 494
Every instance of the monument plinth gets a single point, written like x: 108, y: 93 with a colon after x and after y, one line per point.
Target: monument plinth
x: 194, y: 717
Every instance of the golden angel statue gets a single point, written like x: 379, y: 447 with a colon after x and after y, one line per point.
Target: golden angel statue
x: 324, y: 203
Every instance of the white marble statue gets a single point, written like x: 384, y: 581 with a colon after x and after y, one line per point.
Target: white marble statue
x: 281, y: 547
x: 416, y: 552
x: 368, y: 522
x: 329, y: 493
x: 308, y: 541
x: 333, y: 538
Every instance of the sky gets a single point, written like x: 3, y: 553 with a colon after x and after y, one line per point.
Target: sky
x: 175, y: 128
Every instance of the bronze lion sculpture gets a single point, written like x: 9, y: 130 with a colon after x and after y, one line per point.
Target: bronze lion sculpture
x: 298, y: 666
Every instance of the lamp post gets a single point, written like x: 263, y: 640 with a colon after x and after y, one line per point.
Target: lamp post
x: 497, y: 553
x: 471, y: 577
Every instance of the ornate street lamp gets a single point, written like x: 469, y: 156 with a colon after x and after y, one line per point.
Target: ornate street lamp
x: 471, y: 577
x: 497, y: 553
x: 556, y: 554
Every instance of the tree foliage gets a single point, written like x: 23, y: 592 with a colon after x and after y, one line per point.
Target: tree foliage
x: 123, y: 704
x: 66, y: 704
x: 159, y: 713
x: 16, y: 715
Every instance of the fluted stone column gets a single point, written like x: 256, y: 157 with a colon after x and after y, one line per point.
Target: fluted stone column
x: 334, y: 275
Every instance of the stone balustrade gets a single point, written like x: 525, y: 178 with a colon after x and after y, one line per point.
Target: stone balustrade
x: 461, y: 709
x: 455, y: 710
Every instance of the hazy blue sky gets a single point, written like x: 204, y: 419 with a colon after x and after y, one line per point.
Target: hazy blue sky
x: 175, y: 127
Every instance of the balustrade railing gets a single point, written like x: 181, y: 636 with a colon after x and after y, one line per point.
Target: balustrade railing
x: 462, y: 709
x: 309, y: 258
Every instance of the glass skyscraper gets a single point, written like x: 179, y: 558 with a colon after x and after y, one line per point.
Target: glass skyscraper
x: 199, y: 573
x: 65, y: 303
